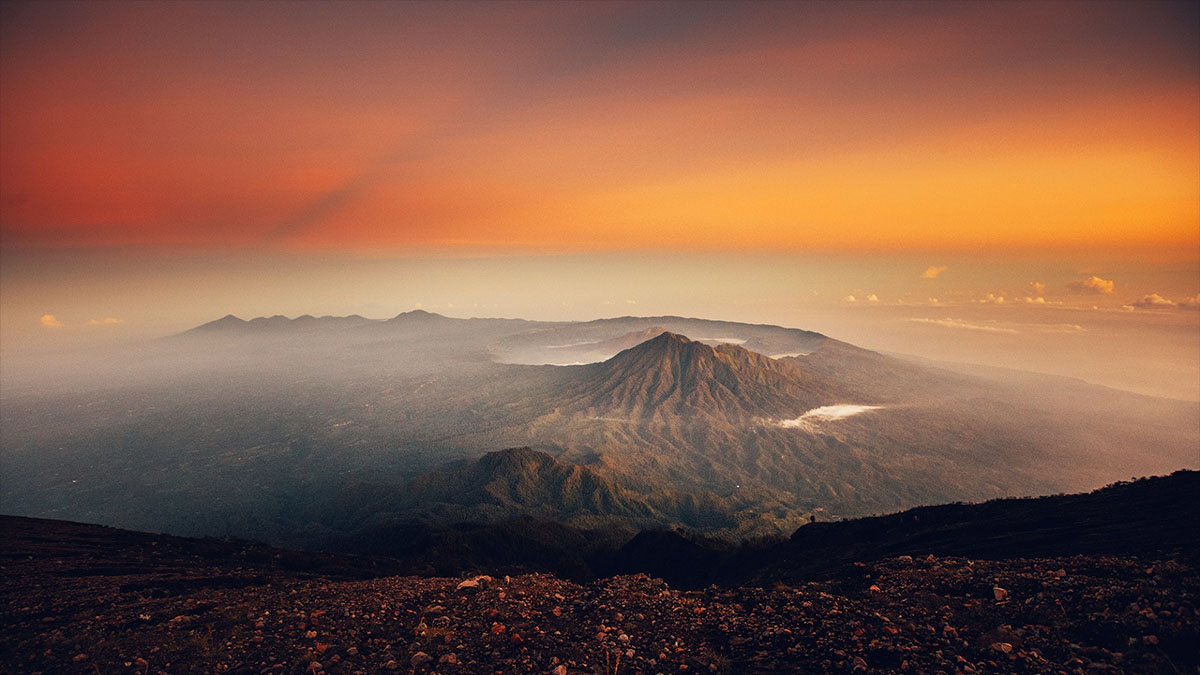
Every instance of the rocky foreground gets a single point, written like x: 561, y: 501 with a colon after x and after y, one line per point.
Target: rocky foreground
x: 85, y: 599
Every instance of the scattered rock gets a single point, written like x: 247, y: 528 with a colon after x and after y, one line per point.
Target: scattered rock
x: 930, y: 618
x: 476, y: 583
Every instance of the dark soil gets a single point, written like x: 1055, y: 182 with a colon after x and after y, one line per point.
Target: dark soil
x: 87, y: 599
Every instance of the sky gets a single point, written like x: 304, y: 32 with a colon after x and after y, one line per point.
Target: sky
x: 883, y: 172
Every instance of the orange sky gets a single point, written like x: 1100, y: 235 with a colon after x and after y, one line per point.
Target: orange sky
x: 404, y: 127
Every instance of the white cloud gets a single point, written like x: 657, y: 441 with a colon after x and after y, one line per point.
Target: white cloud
x: 872, y: 298
x: 850, y: 298
x: 1035, y: 301
x: 1061, y: 328
x: 810, y: 420
x: 106, y: 321
x: 49, y: 321
x: 1093, y: 285
x: 1152, y: 301
x: 933, y: 301
x: 965, y: 325
x: 1038, y: 287
x: 1156, y: 301
x: 933, y: 271
x: 992, y: 299
x: 631, y: 302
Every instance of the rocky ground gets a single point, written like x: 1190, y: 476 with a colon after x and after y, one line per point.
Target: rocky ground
x: 89, y: 603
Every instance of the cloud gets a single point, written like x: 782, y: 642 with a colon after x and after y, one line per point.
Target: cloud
x: 1038, y: 287
x: 631, y: 302
x: 933, y: 301
x: 106, y: 321
x: 1156, y: 301
x: 850, y: 298
x: 992, y: 299
x: 933, y: 271
x: 1093, y: 285
x: 1035, y: 301
x: 49, y: 321
x: 830, y: 413
x: 872, y: 298
x: 1061, y: 328
x: 966, y: 325
x: 1153, y: 300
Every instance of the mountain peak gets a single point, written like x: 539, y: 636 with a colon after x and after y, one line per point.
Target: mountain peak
x: 665, y: 344
x: 667, y: 337
x: 417, y: 315
x: 277, y: 324
x: 500, y: 461
x: 671, y: 373
x: 225, y: 322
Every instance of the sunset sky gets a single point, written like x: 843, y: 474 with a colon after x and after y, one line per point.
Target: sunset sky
x: 162, y: 164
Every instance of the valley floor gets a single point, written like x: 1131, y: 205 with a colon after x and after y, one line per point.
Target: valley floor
x: 91, y: 600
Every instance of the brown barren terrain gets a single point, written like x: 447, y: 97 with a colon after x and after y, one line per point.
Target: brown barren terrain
x: 87, y: 599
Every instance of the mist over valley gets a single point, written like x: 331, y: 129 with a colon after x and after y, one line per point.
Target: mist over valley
x: 299, y: 431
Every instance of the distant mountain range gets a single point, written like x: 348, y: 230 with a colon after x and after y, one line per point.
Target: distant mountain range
x: 319, y: 428
x: 1146, y: 517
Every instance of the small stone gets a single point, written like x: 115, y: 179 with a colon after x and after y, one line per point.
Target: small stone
x: 1000, y: 594
x: 860, y: 664
x: 1150, y: 639
x: 310, y: 634
x: 80, y: 658
x: 875, y: 589
x: 560, y: 669
x: 474, y: 583
x: 392, y: 665
x: 353, y: 651
x: 1004, y: 647
x: 904, y: 559
x: 315, y: 667
x: 420, y: 659
x: 449, y: 659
